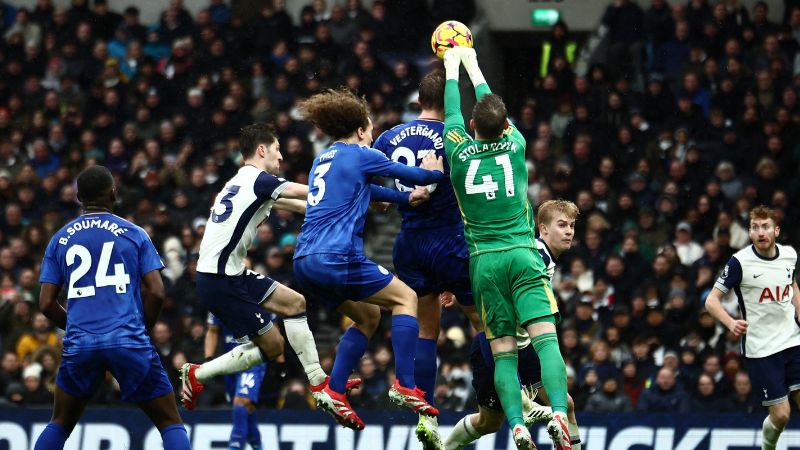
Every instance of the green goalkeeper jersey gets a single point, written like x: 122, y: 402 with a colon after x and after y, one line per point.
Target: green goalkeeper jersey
x: 490, y: 179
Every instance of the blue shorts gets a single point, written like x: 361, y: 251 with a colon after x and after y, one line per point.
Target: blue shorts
x: 332, y: 279
x: 236, y: 301
x: 138, y: 371
x: 775, y: 376
x: 434, y: 261
x: 245, y: 384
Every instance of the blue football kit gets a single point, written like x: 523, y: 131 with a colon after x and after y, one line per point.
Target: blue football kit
x: 100, y: 259
x: 430, y: 254
x: 329, y: 260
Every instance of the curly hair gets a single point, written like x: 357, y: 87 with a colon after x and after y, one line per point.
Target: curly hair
x: 337, y: 112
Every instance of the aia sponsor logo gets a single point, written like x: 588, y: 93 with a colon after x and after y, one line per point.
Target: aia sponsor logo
x: 776, y: 294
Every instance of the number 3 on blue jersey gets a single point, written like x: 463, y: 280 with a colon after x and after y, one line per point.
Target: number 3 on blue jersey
x: 227, y: 203
x: 318, y: 183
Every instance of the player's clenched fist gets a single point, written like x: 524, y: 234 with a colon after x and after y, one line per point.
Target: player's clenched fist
x: 738, y: 327
x: 419, y: 196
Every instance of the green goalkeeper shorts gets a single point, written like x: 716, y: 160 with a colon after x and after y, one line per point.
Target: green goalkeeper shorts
x: 511, y: 288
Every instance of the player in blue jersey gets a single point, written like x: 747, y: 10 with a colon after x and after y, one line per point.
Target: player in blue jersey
x: 241, y: 389
x: 329, y: 260
x: 102, y: 259
x: 242, y: 299
x: 430, y: 253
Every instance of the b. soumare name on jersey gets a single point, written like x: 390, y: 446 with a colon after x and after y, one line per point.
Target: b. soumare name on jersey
x: 88, y: 224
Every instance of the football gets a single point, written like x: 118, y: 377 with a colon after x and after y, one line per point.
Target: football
x: 450, y: 34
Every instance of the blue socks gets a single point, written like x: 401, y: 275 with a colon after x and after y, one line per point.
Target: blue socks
x: 425, y: 367
x: 253, y: 435
x: 52, y: 438
x: 405, y: 330
x: 240, y: 428
x: 175, y: 437
x: 351, y: 349
x: 486, y: 350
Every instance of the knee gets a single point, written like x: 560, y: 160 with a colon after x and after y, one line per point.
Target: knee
x: 488, y: 423
x: 274, y: 347
x: 246, y: 402
x: 297, y: 305
x: 780, y: 416
x: 370, y: 320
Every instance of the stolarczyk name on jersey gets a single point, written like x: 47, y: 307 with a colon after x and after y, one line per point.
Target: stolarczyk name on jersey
x: 419, y: 130
x: 474, y: 149
x: 87, y: 224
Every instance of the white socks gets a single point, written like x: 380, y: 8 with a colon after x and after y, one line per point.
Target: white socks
x: 574, y: 435
x: 303, y: 344
x: 770, y: 434
x: 241, y: 357
x: 463, y: 434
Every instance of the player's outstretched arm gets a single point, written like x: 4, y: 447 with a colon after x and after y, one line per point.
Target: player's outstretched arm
x: 154, y: 297
x: 373, y: 162
x: 48, y: 302
x: 452, y: 96
x: 291, y: 204
x: 714, y: 307
x: 470, y: 60
x: 294, y: 190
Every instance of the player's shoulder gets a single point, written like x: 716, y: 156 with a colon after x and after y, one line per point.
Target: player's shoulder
x: 787, y: 251
x: 544, y: 250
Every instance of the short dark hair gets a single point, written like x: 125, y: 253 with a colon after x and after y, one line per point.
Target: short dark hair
x: 95, y: 184
x: 490, y: 115
x: 253, y: 135
x: 431, y: 90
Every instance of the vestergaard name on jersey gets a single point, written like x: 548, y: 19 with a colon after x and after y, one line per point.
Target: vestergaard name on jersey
x: 419, y: 130
x: 87, y: 224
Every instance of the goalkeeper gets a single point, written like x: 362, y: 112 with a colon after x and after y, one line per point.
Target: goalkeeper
x: 508, y: 276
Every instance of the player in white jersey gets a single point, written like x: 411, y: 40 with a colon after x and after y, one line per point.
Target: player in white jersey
x: 762, y: 277
x: 240, y: 298
x: 556, y: 223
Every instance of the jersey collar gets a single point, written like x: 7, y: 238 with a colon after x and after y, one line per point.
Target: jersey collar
x: 759, y: 256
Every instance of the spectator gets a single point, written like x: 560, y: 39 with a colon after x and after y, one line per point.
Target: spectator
x: 40, y: 335
x: 609, y: 398
x: 35, y: 393
x: 665, y: 395
x: 688, y: 250
x: 743, y: 400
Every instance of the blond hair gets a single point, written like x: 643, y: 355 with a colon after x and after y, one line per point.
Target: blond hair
x: 551, y: 208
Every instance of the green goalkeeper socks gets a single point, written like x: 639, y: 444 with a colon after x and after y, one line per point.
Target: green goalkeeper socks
x: 506, y: 382
x: 554, y: 372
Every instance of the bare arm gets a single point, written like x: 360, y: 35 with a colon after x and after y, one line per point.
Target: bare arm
x: 211, y: 341
x: 796, y: 301
x: 48, y: 302
x: 294, y: 191
x: 291, y: 204
x: 714, y: 307
x: 154, y: 298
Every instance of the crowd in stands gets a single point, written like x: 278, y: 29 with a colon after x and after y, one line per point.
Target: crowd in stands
x: 691, y: 120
